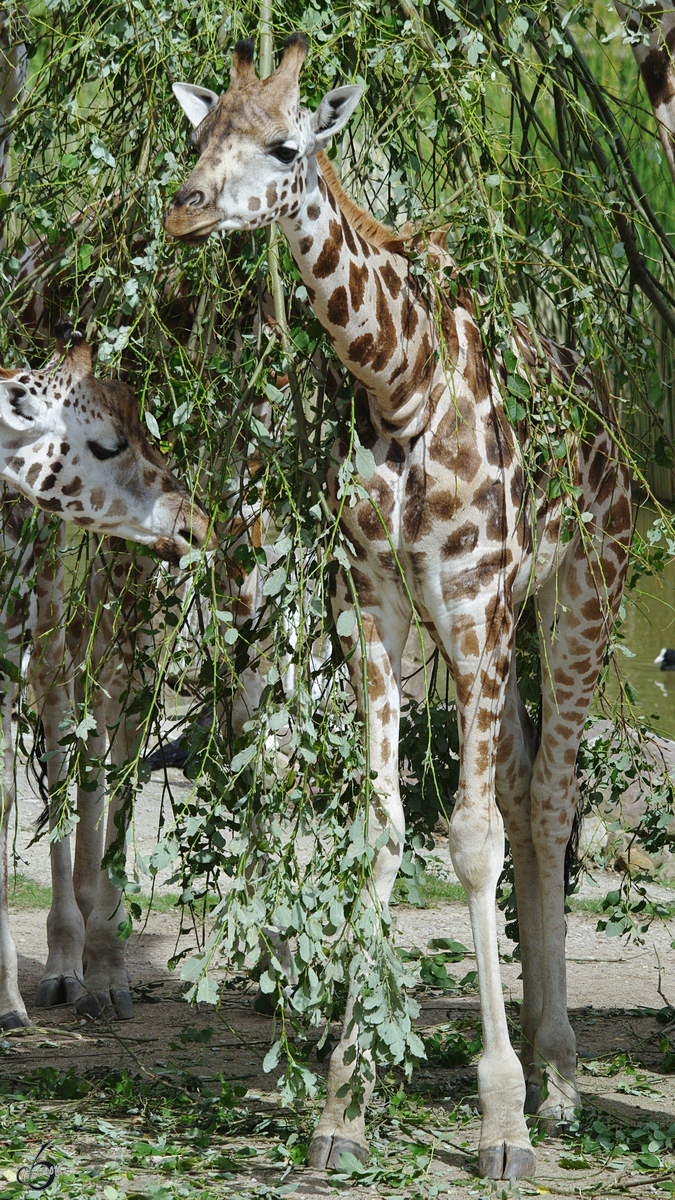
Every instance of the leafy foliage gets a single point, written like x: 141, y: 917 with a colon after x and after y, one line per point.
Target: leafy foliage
x: 502, y: 122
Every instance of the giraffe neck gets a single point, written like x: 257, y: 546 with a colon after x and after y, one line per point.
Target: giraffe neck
x: 655, y: 60
x: 13, y: 63
x: 362, y: 290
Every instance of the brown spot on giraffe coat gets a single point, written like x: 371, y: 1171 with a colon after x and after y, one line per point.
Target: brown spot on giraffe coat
x: 329, y: 257
x: 338, y: 307
x: 358, y: 277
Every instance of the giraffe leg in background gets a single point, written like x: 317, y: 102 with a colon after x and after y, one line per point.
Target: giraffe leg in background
x: 106, y: 980
x: 12, y: 1008
x: 114, y: 578
x: 576, y: 617
x: 62, y: 978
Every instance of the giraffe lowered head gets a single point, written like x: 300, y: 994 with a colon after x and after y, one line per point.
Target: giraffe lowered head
x: 74, y: 445
x: 256, y: 146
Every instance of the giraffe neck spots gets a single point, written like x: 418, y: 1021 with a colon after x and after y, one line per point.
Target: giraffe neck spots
x: 360, y: 285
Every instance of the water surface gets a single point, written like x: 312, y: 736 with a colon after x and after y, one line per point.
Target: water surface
x: 650, y: 625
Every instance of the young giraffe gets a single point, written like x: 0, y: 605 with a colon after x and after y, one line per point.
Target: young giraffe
x: 73, y: 445
x: 448, y: 496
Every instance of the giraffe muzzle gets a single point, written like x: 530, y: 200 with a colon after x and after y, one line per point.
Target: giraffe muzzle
x: 183, y: 224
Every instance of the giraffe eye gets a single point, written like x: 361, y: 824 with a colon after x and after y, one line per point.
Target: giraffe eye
x: 284, y: 154
x: 102, y: 452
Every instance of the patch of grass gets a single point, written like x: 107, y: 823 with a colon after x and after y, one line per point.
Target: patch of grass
x: 434, y: 889
x: 600, y: 905
x: 596, y: 904
x: 27, y: 893
x: 161, y: 902
x: 591, y: 904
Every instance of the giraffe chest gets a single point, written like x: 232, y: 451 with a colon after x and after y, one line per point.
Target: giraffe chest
x: 428, y: 531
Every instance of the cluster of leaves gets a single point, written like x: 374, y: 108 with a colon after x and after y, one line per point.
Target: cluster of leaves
x: 646, y: 1145
x: 494, y: 119
x: 174, y: 1134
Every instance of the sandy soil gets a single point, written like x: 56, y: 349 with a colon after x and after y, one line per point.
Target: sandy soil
x: 608, y: 984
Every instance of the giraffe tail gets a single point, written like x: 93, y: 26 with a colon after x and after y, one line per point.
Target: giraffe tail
x: 573, y: 863
x: 38, y: 771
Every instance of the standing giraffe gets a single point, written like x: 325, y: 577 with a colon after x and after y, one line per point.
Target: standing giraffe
x: 451, y: 523
x: 73, y: 445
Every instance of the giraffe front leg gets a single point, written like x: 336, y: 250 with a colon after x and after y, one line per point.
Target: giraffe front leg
x: 480, y: 651
x: 385, y: 628
x: 61, y: 982
x: 13, y: 1013
x: 106, y: 980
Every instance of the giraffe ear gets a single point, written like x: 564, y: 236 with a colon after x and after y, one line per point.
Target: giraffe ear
x: 19, y: 409
x: 333, y: 113
x: 195, y: 101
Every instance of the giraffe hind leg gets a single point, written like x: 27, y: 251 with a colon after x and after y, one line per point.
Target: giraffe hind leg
x: 515, y: 761
x: 576, y: 616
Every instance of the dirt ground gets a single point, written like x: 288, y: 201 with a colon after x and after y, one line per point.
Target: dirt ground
x: 608, y: 983
x: 612, y: 992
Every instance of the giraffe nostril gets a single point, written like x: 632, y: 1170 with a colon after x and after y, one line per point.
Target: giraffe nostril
x: 195, y: 200
x: 189, y: 536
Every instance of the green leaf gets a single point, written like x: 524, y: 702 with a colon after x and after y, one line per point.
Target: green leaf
x: 514, y: 411
x: 207, y: 990
x: 152, y: 425
x: 243, y: 758
x: 272, y: 1057
x: 364, y: 462
x: 650, y: 1161
x: 86, y: 726
x: 275, y: 582
x: 345, y: 622
x: 518, y: 386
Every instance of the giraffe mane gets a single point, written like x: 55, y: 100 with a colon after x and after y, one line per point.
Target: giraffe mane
x: 412, y: 237
x: 363, y: 222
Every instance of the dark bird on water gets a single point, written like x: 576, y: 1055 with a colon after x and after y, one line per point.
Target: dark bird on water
x: 666, y: 660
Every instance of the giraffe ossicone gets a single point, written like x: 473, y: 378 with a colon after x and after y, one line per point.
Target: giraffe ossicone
x: 453, y: 521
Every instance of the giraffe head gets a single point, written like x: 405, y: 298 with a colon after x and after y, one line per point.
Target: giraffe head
x: 74, y: 445
x: 256, y: 145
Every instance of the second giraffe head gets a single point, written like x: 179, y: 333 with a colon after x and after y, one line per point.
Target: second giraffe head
x: 256, y: 146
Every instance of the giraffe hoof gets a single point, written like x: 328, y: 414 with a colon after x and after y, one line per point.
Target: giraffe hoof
x: 506, y: 1162
x: 14, y: 1020
x: 263, y: 1004
x: 92, y: 1004
x: 531, y: 1099
x: 58, y: 989
x: 122, y: 1003
x: 324, y: 1152
x: 554, y: 1121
